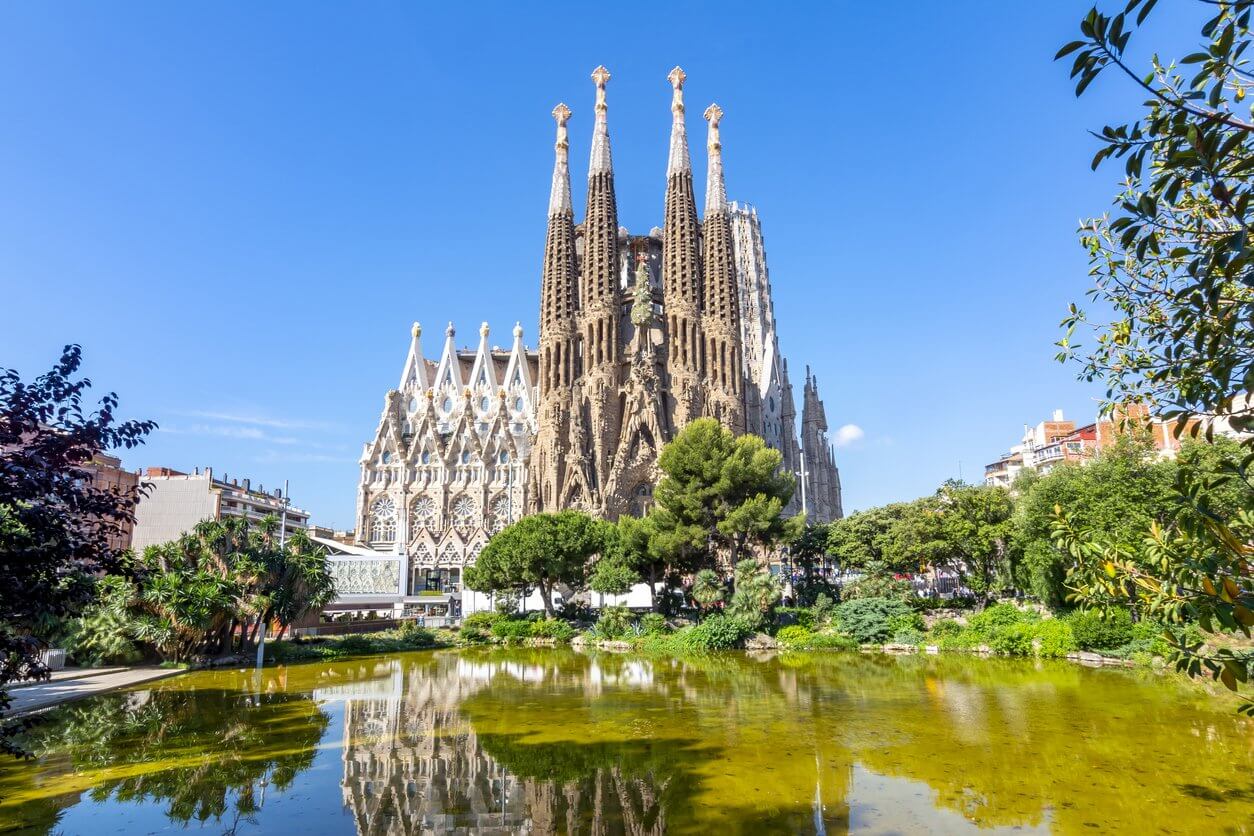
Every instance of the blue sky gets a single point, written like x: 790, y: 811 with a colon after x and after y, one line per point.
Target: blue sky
x: 238, y: 209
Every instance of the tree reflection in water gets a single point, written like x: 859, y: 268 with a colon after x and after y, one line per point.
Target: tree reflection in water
x: 202, y: 753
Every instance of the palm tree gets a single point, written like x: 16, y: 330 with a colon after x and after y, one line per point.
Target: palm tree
x: 707, y: 589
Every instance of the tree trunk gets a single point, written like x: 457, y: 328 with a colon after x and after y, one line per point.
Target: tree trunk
x: 546, y: 595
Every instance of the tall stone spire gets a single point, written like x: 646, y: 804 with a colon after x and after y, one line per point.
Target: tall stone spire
x: 558, y: 283
x: 600, y: 250
x: 558, y: 328
x: 681, y: 269
x: 724, y: 369
x: 595, y: 417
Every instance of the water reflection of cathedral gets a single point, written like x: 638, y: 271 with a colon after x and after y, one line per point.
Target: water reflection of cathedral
x: 414, y: 765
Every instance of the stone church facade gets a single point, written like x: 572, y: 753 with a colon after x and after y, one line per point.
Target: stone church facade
x: 639, y: 334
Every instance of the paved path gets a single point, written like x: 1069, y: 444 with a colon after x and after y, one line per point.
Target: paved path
x: 69, y: 685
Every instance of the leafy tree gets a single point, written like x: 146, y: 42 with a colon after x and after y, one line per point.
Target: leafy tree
x: 707, y: 589
x: 863, y: 540
x: 975, y: 527
x: 720, y: 494
x: 56, y: 525
x: 1175, y: 264
x: 541, y: 551
x: 1121, y: 490
x: 808, y: 552
x: 634, y: 548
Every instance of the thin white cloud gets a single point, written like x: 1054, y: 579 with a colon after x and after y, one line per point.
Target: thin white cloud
x: 848, y: 434
x: 223, y: 431
x: 256, y: 420
x: 271, y: 456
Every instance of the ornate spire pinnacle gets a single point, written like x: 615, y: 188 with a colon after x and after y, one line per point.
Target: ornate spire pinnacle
x: 559, y: 196
x: 484, y: 330
x: 416, y: 331
x: 678, y: 161
x: 600, y: 132
x: 715, y: 189
x: 518, y: 330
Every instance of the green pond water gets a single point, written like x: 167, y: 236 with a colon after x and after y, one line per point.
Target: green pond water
x: 554, y: 741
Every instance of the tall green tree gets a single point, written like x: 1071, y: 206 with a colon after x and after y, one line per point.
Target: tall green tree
x: 1121, y: 490
x: 57, y: 527
x: 808, y: 553
x: 720, y: 494
x: 540, y: 551
x: 975, y: 528
x: 1174, y: 262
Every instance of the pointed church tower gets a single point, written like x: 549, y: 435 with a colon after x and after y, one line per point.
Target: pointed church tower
x: 721, y: 320
x: 558, y: 330
x: 681, y: 270
x: 597, y: 361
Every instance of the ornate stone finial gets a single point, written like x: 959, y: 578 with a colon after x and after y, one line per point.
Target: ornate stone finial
x: 483, y: 330
x: 676, y: 78
x: 559, y: 195
x: 600, y: 162
x: 562, y: 114
x: 518, y: 330
x: 602, y: 77
x: 449, y: 331
x: 678, y: 161
x: 416, y: 330
x: 713, y: 114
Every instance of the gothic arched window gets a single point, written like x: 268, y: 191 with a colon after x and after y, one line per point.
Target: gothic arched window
x: 383, y: 520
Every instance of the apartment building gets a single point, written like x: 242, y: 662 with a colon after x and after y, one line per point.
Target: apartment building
x: 176, y: 501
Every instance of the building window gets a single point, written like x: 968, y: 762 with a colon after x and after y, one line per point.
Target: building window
x: 383, y: 520
x: 413, y: 405
x: 464, y: 512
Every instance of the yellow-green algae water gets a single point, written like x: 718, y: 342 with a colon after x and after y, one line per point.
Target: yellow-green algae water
x: 554, y: 741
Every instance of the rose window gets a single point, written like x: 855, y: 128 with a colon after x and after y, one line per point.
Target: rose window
x: 383, y: 520
x: 423, y: 511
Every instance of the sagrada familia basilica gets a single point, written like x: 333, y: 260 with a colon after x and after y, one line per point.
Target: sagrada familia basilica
x: 639, y: 334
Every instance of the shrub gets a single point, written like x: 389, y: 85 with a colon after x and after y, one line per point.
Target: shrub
x: 945, y: 627
x: 355, y: 644
x: 614, y: 623
x: 511, y: 630
x: 803, y: 616
x: 794, y: 636
x: 653, y: 624
x: 414, y: 636
x: 717, y: 632
x: 908, y: 635
x: 1014, y: 639
x: 867, y: 620
x: 1056, y: 638
x: 552, y: 628
x: 832, y: 641
x: 473, y: 635
x: 993, y: 618
x: 1093, y: 632
x: 905, y: 621
x: 964, y: 639
x: 823, y: 609
x: 482, y: 620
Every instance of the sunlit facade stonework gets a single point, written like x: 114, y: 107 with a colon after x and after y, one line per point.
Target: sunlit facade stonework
x: 639, y: 334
